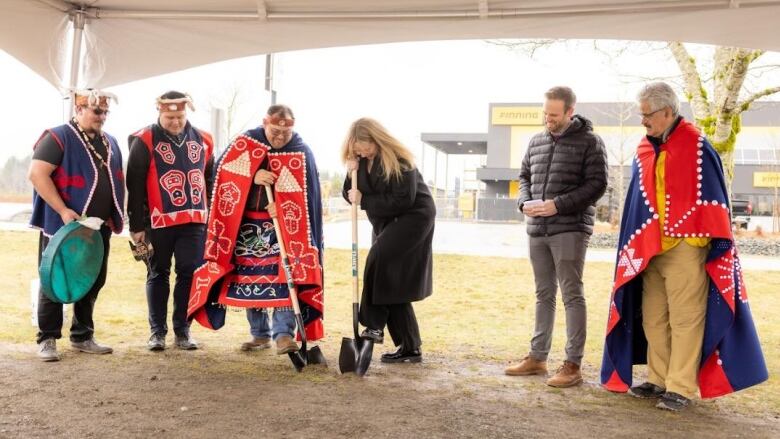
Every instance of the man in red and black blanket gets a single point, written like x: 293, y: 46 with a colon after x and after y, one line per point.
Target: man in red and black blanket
x: 242, y: 261
x: 679, y: 302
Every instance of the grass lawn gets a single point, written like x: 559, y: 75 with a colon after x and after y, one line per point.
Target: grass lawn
x: 482, y: 310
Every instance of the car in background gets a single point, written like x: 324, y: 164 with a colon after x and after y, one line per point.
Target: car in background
x: 740, y: 213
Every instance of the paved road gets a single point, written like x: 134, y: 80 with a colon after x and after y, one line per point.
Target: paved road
x: 453, y: 237
x: 485, y: 239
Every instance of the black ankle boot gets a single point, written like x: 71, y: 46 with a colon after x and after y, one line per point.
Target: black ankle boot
x: 402, y: 355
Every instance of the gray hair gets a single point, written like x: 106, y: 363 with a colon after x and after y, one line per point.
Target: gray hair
x: 659, y: 95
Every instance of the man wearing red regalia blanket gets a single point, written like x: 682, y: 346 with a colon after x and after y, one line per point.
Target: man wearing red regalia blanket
x: 678, y: 302
x: 242, y: 262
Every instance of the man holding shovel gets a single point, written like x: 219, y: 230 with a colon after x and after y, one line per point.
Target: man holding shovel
x: 244, y: 267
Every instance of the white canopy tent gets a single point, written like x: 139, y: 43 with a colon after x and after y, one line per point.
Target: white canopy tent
x: 126, y: 40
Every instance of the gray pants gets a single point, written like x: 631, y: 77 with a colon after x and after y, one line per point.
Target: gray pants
x: 559, y: 260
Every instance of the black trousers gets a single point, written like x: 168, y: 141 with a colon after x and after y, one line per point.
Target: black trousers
x: 82, y: 327
x: 184, y: 243
x: 399, y: 318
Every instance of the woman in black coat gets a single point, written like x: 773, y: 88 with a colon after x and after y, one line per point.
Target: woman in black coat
x: 401, y: 210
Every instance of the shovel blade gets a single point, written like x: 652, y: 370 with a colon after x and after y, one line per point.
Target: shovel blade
x: 315, y: 356
x: 348, y: 355
x: 297, y: 360
x: 364, y: 357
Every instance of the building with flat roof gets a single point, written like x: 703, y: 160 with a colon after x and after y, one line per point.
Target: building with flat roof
x: 494, y: 183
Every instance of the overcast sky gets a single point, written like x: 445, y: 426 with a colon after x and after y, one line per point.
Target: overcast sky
x: 443, y: 86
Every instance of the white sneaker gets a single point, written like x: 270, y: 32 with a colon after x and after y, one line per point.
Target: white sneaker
x: 47, y: 350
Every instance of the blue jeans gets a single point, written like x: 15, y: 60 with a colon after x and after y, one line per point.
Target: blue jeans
x: 283, y: 322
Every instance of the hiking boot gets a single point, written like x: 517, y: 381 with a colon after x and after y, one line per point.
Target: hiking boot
x: 156, y: 342
x: 647, y: 390
x: 673, y: 402
x: 567, y: 375
x: 91, y: 347
x: 47, y: 350
x: 402, y: 355
x: 285, y: 344
x: 373, y: 334
x: 256, y: 343
x: 527, y: 366
x: 186, y: 342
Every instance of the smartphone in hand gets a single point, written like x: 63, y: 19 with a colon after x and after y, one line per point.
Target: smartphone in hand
x: 533, y: 203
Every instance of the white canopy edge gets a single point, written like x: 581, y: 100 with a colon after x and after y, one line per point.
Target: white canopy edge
x: 126, y: 43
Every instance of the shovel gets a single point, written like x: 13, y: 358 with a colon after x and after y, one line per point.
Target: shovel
x: 303, y: 357
x: 351, y: 347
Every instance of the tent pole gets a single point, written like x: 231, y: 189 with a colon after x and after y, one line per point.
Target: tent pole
x: 269, y: 77
x: 75, y: 55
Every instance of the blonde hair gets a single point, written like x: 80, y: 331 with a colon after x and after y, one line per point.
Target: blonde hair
x: 395, y: 157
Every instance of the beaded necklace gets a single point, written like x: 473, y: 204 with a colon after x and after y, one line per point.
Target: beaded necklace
x: 178, y: 144
x: 88, y: 142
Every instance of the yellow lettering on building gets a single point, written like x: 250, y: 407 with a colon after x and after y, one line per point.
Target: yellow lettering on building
x: 766, y: 179
x: 517, y: 116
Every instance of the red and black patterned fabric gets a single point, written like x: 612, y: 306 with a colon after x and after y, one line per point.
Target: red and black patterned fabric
x: 175, y: 183
x: 242, y: 263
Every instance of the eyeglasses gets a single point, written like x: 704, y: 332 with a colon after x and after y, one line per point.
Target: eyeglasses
x: 97, y: 110
x: 648, y: 115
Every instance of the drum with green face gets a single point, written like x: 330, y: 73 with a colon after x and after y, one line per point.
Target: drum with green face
x: 71, y: 263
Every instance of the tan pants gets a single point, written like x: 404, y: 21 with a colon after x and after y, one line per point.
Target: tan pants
x: 674, y: 303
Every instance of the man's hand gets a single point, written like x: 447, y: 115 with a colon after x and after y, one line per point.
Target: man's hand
x: 138, y: 236
x: 354, y: 196
x: 68, y: 215
x: 271, y: 208
x: 547, y: 208
x: 529, y: 210
x: 265, y: 178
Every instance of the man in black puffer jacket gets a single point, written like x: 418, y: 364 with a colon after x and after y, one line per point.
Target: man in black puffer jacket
x: 564, y: 173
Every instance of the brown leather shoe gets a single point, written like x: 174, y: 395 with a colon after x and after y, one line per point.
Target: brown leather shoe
x: 256, y: 343
x: 285, y: 344
x: 527, y: 366
x: 567, y: 375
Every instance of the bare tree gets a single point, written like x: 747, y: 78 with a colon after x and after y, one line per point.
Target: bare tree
x: 719, y: 114
x: 620, y: 152
x: 13, y: 178
x: 233, y: 100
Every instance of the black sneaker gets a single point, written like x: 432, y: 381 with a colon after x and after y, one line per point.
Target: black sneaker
x: 673, y: 402
x: 647, y: 391
x: 374, y: 334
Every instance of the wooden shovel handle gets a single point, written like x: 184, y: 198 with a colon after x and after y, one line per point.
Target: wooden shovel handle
x: 355, y: 281
x: 285, y: 260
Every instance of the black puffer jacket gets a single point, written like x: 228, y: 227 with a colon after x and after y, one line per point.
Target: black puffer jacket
x: 571, y: 171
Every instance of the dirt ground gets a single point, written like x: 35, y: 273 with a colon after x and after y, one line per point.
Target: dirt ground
x: 219, y: 391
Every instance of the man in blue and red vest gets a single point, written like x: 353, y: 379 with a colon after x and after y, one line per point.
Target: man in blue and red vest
x: 679, y: 302
x: 76, y: 171
x: 169, y: 174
